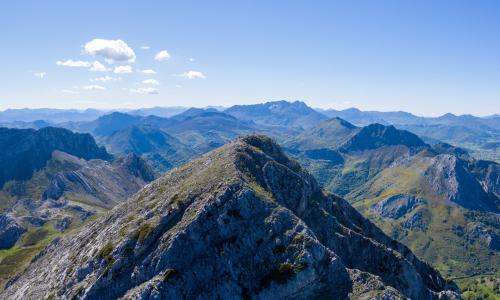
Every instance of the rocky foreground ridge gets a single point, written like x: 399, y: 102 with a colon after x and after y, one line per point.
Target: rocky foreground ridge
x: 243, y: 221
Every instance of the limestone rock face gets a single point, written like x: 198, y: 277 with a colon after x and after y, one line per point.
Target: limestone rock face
x: 242, y: 222
x: 449, y: 177
x: 396, y: 206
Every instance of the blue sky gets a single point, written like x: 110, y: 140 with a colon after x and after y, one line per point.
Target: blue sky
x: 426, y: 57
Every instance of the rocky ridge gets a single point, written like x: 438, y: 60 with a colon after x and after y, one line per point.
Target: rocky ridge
x: 256, y: 224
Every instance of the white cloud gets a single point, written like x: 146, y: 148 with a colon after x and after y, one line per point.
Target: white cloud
x: 152, y: 72
x: 145, y: 47
x: 162, y: 55
x: 145, y: 90
x: 191, y: 59
x: 93, y: 87
x: 97, y: 66
x: 69, y: 92
x: 115, y: 50
x: 123, y: 69
x: 151, y: 81
x: 193, y: 75
x: 73, y: 63
x: 40, y: 74
x: 105, y: 79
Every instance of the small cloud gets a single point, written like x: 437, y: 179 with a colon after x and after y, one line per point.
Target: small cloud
x: 93, y: 87
x: 104, y: 79
x: 145, y: 90
x: 193, y: 75
x: 73, y: 63
x: 123, y: 69
x: 69, y: 91
x: 145, y: 47
x: 162, y: 55
x: 98, y: 67
x: 40, y: 74
x: 191, y: 59
x: 151, y: 81
x: 114, y: 50
x: 151, y: 72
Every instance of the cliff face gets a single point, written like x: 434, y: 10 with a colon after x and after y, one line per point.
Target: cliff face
x: 26, y: 150
x: 244, y: 221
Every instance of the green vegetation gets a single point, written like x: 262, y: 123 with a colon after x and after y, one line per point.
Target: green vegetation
x: 106, y: 251
x: 143, y: 232
x: 281, y: 274
x: 33, y: 237
x: 480, y: 287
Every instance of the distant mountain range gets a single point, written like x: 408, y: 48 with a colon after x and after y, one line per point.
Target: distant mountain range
x: 279, y: 113
x: 479, y: 135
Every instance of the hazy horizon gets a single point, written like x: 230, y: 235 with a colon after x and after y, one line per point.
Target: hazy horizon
x: 125, y: 109
x: 427, y: 58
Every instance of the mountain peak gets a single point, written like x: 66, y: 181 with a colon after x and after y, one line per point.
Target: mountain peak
x: 378, y: 135
x: 278, y: 113
x: 244, y: 220
x: 341, y: 122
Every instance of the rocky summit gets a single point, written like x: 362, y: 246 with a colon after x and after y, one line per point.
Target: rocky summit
x: 242, y: 222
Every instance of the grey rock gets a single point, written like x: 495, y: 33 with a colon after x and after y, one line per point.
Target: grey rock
x: 62, y: 224
x: 34, y: 220
x: 10, y: 231
x: 396, y: 206
x: 449, y: 177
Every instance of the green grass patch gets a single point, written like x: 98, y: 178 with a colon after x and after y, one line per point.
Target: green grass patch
x: 143, y: 232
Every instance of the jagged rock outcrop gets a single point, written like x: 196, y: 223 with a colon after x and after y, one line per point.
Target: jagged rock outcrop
x: 10, y: 231
x: 242, y: 222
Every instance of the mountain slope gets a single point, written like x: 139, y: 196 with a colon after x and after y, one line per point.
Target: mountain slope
x: 159, y: 148
x: 26, y: 150
x: 261, y: 228
x: 330, y: 134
